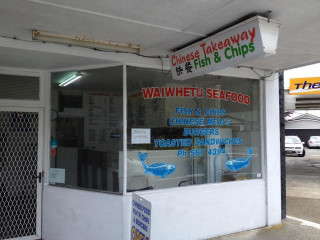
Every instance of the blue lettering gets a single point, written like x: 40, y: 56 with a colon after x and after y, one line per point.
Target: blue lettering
x: 214, y: 112
x: 184, y: 111
x: 200, y: 131
x: 156, y: 142
x: 186, y: 142
x: 305, y: 84
x: 172, y: 122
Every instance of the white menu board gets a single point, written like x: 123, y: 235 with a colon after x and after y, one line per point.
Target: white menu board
x: 103, y: 120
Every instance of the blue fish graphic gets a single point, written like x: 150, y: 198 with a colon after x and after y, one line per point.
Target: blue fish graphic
x: 158, y: 169
x: 239, y: 163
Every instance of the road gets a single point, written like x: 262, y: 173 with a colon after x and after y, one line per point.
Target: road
x: 303, y: 186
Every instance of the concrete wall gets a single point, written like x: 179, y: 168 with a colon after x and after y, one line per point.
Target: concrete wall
x: 70, y: 214
x: 205, y: 211
x: 194, y: 212
x: 271, y: 140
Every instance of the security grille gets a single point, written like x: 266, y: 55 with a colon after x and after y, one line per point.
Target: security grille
x: 18, y: 168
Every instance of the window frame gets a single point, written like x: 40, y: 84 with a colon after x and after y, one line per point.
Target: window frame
x: 47, y: 87
x: 40, y: 102
x: 48, y: 120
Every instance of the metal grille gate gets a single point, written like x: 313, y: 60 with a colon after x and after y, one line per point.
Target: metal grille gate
x: 18, y: 171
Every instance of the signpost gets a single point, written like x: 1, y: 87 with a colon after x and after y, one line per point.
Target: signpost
x: 140, y: 218
x: 246, y: 41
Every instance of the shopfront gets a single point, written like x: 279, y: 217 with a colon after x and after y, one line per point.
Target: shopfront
x: 195, y: 149
x: 203, y: 151
x: 90, y: 115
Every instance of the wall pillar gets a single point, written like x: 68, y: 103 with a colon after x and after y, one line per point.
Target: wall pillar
x: 272, y: 149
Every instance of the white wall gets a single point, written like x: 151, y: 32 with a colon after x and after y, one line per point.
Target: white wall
x: 272, y: 149
x: 199, y: 212
x: 193, y: 212
x: 303, y: 125
x: 70, y: 214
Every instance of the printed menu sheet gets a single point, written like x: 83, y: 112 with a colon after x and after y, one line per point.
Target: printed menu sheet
x: 103, y: 120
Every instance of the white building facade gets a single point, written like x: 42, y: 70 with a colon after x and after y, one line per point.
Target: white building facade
x: 83, y: 129
x: 90, y: 164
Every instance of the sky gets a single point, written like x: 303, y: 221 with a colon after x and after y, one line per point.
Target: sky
x: 307, y: 71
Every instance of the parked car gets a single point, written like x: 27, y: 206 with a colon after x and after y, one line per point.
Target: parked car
x: 294, y: 146
x: 314, y: 142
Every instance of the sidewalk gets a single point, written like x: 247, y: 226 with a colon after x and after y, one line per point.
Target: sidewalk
x: 290, y: 229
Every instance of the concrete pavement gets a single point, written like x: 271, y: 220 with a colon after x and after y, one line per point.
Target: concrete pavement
x: 290, y: 229
x: 303, y: 203
x: 303, y: 186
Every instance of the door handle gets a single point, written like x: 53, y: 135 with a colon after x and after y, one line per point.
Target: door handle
x: 39, y: 177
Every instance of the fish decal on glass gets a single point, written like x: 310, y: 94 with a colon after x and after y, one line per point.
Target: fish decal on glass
x: 239, y: 163
x: 158, y: 169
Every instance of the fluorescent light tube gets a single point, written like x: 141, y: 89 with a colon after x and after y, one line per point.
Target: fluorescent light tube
x: 85, y: 42
x: 69, y: 80
x: 73, y: 80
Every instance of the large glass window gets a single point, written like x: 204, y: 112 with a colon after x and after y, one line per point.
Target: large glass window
x: 197, y: 131
x: 87, y: 128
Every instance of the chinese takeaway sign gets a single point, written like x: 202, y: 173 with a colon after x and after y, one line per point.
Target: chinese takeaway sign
x: 246, y: 41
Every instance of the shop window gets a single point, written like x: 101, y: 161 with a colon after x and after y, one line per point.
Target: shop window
x: 87, y: 129
x: 202, y: 130
x: 19, y: 87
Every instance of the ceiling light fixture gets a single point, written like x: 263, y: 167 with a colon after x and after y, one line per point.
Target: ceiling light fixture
x: 85, y: 42
x: 70, y: 79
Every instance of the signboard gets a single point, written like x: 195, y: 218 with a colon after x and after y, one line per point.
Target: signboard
x: 140, y: 135
x: 140, y: 218
x: 300, y: 86
x: 246, y: 41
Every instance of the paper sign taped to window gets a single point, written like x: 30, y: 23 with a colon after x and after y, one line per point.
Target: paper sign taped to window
x: 57, y: 175
x: 140, y: 136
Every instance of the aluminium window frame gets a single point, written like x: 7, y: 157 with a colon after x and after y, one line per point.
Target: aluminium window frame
x: 124, y: 159
x: 48, y: 120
